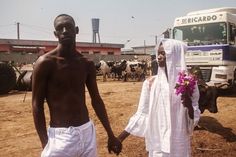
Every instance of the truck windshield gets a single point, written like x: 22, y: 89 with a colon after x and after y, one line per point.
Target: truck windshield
x: 204, y: 34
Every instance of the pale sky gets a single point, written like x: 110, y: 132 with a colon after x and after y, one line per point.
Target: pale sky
x: 136, y: 21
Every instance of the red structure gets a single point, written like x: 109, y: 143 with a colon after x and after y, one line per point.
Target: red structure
x: 27, y: 51
x: 40, y: 47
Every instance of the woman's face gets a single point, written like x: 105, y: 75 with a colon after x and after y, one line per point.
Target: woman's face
x: 161, y: 56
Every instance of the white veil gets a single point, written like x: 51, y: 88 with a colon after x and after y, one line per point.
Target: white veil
x: 161, y: 116
x: 175, y: 59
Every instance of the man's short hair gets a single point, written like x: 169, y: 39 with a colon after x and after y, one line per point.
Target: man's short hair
x: 64, y: 15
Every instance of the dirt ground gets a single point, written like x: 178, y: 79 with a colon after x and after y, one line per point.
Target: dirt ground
x: 216, y: 135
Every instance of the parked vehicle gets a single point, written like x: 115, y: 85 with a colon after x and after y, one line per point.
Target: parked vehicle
x: 12, y: 77
x: 211, y: 39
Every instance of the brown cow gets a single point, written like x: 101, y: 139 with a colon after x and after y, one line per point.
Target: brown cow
x: 208, y: 94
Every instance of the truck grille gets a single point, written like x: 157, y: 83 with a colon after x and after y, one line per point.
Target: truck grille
x: 206, y: 74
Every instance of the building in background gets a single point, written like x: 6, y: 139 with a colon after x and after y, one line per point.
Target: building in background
x: 26, y: 51
x: 140, y: 50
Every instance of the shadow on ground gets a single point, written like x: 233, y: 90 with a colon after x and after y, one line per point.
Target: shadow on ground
x: 212, y: 125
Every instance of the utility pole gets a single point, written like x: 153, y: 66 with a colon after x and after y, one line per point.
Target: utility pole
x: 18, y: 30
x: 144, y: 47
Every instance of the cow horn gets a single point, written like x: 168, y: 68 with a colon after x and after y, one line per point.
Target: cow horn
x: 221, y: 85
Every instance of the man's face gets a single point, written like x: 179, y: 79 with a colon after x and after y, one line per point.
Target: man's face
x: 161, y: 56
x: 65, y: 30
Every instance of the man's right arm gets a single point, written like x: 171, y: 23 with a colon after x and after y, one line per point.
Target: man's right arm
x: 38, y: 95
x: 113, y: 143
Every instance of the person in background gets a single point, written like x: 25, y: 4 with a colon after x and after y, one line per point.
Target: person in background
x: 165, y: 119
x: 60, y: 77
x: 154, y: 65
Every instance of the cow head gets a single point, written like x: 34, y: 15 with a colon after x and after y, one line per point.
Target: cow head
x: 110, y: 63
x: 133, y: 67
x: 98, y: 66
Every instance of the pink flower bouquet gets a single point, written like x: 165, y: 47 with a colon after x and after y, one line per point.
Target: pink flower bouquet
x: 185, y: 84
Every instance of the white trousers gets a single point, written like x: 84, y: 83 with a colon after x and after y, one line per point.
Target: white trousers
x: 158, y: 154
x: 71, y: 142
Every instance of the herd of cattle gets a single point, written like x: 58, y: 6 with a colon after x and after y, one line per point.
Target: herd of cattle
x: 123, y: 70
x: 137, y: 70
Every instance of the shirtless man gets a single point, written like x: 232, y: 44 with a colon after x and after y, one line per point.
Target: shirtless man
x: 60, y: 77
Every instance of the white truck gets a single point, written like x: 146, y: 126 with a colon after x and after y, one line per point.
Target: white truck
x: 211, y: 39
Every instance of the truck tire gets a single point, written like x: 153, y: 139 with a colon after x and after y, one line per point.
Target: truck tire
x: 24, y: 81
x: 234, y: 80
x: 7, y: 78
x: 234, y: 83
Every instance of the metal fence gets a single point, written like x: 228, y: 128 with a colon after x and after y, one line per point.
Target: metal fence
x: 29, y: 58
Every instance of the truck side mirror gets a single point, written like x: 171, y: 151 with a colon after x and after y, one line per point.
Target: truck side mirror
x: 234, y: 31
x: 232, y: 34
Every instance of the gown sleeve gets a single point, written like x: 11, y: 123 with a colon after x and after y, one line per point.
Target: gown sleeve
x: 137, y: 123
x: 191, y: 123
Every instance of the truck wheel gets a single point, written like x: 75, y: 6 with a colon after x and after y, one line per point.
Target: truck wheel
x: 234, y: 81
x: 24, y: 81
x: 7, y: 78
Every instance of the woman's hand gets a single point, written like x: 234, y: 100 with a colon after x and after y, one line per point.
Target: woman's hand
x: 187, y: 102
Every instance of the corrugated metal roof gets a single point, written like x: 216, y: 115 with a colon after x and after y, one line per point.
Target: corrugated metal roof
x: 53, y: 43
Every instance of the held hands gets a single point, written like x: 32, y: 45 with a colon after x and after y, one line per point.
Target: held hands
x: 186, y: 100
x: 114, y: 145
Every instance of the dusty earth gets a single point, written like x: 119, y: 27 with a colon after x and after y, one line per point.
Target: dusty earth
x: 216, y: 135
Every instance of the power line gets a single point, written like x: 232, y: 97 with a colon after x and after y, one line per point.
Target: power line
x: 40, y: 27
x: 37, y: 28
x: 6, y: 25
x: 7, y: 32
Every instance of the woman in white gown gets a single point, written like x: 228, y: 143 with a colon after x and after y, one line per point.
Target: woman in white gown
x: 165, y: 119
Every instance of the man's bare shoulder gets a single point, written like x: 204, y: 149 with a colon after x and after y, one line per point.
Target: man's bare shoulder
x: 86, y: 60
x: 46, y: 58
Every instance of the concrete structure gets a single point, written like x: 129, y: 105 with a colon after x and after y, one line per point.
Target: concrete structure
x: 95, y: 26
x: 40, y: 46
x: 28, y: 50
x: 140, y: 50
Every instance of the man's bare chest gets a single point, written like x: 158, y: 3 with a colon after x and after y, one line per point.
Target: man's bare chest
x: 69, y: 75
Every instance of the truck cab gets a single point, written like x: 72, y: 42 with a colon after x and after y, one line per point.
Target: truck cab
x: 211, y: 39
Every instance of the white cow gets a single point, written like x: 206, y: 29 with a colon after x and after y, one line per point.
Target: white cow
x: 105, y: 69
x: 134, y: 70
